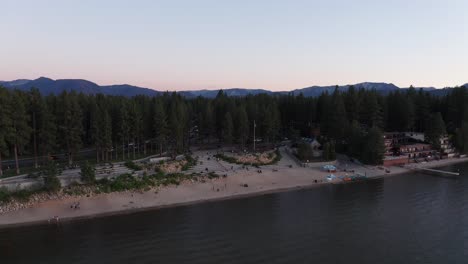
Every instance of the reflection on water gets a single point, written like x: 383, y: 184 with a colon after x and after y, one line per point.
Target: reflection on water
x: 402, y: 219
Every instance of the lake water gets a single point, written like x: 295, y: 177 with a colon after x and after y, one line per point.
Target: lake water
x: 402, y: 219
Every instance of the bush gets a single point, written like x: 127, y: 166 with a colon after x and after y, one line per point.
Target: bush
x: 87, y: 173
x: 235, y: 161
x: 190, y: 163
x: 5, y: 195
x: 51, y: 182
x: 228, y: 159
x: 304, y: 152
x: 212, y: 175
x: 24, y: 195
x: 132, y: 165
x: 277, y: 158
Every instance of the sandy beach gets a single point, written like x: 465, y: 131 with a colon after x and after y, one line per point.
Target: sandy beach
x: 239, y: 182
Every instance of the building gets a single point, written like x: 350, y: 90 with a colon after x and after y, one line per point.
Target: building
x: 446, y: 147
x: 418, y: 150
x: 406, y: 147
x: 392, y: 140
x: 416, y: 136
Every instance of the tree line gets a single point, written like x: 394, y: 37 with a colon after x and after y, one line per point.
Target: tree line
x: 117, y: 127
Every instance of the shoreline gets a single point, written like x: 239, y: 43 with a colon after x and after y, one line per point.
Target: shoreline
x: 157, y: 207
x: 190, y: 193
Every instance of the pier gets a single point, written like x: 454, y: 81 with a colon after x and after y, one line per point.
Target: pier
x: 440, y: 171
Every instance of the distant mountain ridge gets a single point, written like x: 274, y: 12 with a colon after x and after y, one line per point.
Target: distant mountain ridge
x: 49, y: 86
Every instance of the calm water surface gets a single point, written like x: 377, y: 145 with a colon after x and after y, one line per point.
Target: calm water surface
x: 402, y: 219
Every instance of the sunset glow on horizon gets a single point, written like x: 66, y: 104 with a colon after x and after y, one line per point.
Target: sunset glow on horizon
x: 208, y: 44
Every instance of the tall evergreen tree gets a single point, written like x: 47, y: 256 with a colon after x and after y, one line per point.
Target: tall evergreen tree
x: 6, y: 126
x: 337, y: 120
x: 370, y: 110
x: 355, y: 140
x: 35, y: 104
x: 70, y: 124
x: 436, y: 130
x: 105, y: 135
x: 21, y: 129
x: 373, y: 148
x: 461, y: 135
x: 242, y: 125
x: 228, y: 128
x: 352, y: 104
x: 135, y: 126
x: 160, y: 126
x: 124, y: 128
x: 47, y: 131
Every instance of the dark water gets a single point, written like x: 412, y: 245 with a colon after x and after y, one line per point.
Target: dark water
x: 401, y: 219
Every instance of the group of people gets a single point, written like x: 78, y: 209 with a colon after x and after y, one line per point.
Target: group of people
x: 75, y: 205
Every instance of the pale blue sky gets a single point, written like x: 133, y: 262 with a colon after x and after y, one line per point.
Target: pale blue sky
x: 278, y: 45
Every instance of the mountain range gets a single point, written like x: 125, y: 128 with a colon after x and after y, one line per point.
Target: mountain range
x: 49, y: 86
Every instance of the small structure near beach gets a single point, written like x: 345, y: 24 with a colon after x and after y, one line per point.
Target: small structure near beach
x: 329, y: 168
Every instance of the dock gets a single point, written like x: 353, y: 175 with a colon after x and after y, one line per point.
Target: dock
x: 440, y: 171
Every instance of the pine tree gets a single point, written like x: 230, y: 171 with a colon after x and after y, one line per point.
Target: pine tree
x: 352, y: 104
x: 436, y: 130
x: 160, y: 127
x: 124, y: 127
x: 88, y: 174
x: 51, y: 181
x: 336, y: 121
x: 242, y: 126
x: 106, y: 134
x: 228, y: 128
x: 323, y: 108
x: 94, y: 127
x: 35, y: 104
x: 178, y: 124
x: 6, y: 126
x: 401, y: 113
x: 135, y: 125
x: 70, y: 124
x: 47, y: 130
x: 422, y: 111
x: 373, y: 148
x: 326, y: 151
x: 370, y: 110
x: 208, y: 124
x: 21, y: 129
x: 461, y: 135
x: 355, y: 140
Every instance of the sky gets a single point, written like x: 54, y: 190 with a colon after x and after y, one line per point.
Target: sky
x: 213, y: 44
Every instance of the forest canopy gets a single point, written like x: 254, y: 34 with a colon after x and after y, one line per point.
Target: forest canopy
x: 39, y: 126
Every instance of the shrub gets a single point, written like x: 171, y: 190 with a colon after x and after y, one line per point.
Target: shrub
x: 228, y: 159
x: 23, y: 195
x: 88, y: 174
x: 5, y: 195
x: 51, y: 182
x: 190, y: 162
x: 212, y: 175
x: 132, y: 165
x: 304, y: 152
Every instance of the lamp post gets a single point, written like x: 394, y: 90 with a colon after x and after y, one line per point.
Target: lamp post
x: 254, y: 125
